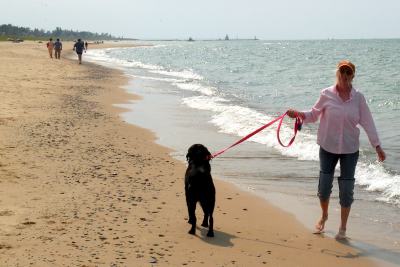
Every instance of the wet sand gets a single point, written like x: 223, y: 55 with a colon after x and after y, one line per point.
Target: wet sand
x: 81, y: 187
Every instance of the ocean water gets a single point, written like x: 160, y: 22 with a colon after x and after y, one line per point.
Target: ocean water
x: 216, y: 92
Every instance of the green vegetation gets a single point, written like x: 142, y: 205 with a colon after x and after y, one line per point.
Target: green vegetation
x: 8, y: 31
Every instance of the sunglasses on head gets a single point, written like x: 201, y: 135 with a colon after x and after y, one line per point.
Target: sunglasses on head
x: 346, y: 71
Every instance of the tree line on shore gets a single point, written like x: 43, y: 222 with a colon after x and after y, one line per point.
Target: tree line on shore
x: 8, y: 31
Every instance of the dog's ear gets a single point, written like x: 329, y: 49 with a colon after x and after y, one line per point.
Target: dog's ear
x: 189, y: 154
x: 208, y: 154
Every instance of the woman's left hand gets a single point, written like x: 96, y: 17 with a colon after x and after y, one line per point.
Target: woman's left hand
x: 381, y: 154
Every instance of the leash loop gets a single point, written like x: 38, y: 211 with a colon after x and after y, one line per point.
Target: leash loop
x: 297, y: 127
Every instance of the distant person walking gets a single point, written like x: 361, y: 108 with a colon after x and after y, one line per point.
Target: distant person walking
x: 86, y: 45
x: 50, y: 47
x: 57, y: 48
x: 79, y: 47
x: 340, y: 109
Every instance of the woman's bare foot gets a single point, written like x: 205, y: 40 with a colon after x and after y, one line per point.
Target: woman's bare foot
x: 341, y: 235
x: 319, y: 227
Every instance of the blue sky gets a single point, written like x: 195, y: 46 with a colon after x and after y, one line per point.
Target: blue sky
x: 266, y: 19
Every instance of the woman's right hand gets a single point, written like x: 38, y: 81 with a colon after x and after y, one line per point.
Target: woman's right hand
x: 292, y: 113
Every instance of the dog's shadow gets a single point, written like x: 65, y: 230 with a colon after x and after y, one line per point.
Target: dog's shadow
x: 220, y: 239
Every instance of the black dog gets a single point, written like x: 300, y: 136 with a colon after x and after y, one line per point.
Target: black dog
x: 199, y: 187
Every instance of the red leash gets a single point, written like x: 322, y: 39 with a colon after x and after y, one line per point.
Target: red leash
x: 297, y: 127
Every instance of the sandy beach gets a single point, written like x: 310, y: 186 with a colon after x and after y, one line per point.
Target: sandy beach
x: 81, y: 187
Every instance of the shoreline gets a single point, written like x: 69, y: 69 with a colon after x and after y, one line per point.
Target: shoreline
x: 88, y: 189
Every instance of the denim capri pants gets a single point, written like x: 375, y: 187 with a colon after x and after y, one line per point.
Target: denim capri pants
x: 328, y: 162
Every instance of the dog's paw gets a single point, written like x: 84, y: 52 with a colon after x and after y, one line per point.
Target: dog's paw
x: 192, y: 231
x: 210, y: 234
x: 204, y: 224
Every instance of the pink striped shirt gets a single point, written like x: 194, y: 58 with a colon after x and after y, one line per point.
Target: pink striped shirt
x: 338, y: 132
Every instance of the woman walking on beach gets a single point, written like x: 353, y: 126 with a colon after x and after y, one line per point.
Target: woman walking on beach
x: 340, y: 109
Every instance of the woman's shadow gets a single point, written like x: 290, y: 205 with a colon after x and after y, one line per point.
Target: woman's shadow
x: 372, y: 251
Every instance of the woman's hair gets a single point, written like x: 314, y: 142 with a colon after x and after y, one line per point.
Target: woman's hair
x: 345, y: 64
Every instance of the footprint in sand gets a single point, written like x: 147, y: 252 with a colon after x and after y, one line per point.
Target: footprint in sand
x: 29, y: 223
x: 7, y: 213
x: 5, y: 246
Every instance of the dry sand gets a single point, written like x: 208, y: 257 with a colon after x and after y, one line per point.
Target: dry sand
x: 80, y: 187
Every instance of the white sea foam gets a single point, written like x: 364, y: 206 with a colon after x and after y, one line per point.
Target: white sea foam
x: 186, y: 74
x: 240, y: 121
x: 102, y: 56
x: 206, y: 90
x: 153, y: 46
x: 375, y: 178
x: 170, y: 80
